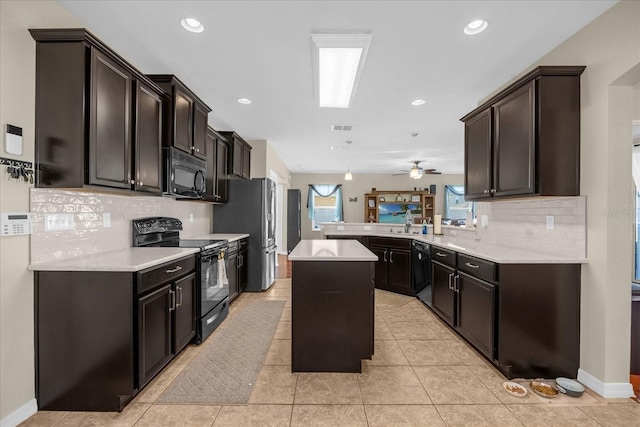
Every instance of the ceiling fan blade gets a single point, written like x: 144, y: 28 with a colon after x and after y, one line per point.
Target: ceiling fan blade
x: 433, y: 172
x: 397, y: 174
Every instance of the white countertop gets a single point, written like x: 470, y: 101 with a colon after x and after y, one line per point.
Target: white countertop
x: 223, y: 236
x: 331, y: 250
x: 499, y: 254
x: 126, y: 260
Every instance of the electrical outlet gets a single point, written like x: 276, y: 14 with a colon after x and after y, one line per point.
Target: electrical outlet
x: 550, y: 222
x: 106, y: 219
x: 367, y: 228
x: 59, y: 222
x: 190, y: 217
x: 484, y: 221
x: 340, y: 227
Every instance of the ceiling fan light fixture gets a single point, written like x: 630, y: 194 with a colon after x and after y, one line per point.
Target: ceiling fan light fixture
x: 192, y: 25
x: 414, y: 172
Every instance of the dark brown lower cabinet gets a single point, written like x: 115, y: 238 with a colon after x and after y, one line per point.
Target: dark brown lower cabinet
x: 393, y: 268
x: 443, y: 296
x: 539, y: 320
x: 476, y: 319
x: 102, y: 335
x: 332, y: 315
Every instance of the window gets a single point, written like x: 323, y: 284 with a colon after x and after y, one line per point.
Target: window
x: 324, y: 204
x: 455, y: 207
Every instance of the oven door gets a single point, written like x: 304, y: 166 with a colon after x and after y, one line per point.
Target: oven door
x: 212, y: 290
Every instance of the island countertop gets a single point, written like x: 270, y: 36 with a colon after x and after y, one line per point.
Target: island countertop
x: 331, y: 250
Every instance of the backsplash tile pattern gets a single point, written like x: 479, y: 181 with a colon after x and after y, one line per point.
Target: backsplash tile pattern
x: 522, y: 224
x: 89, y: 235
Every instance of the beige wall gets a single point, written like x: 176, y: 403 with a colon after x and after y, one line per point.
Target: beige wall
x: 17, y: 86
x: 361, y: 184
x: 610, y: 48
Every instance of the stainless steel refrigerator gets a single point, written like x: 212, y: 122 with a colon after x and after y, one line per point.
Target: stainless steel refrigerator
x: 251, y: 208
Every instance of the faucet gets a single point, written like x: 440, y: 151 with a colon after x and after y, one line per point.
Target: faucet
x: 408, y: 220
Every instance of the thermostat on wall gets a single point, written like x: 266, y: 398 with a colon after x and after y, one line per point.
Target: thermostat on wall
x: 13, y: 140
x: 15, y: 223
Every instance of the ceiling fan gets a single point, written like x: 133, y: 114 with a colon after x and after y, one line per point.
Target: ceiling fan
x: 416, y: 171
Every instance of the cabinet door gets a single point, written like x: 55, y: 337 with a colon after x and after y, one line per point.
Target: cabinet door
x: 148, y: 140
x: 222, y: 170
x: 443, y: 295
x: 210, y: 141
x: 246, y: 162
x: 182, y: 119
x: 477, y: 312
x: 399, y: 271
x: 380, y: 269
x: 236, y: 160
x: 514, y: 143
x: 232, y: 274
x: 200, y: 118
x: 185, y: 312
x: 110, y: 123
x: 243, y: 270
x: 477, y: 156
x: 154, y: 333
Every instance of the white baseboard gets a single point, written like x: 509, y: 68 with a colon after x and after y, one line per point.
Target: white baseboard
x: 20, y: 414
x: 606, y: 390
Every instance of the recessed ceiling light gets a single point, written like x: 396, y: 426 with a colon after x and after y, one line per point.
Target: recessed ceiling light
x: 476, y: 27
x: 192, y: 25
x: 418, y: 102
x: 244, y: 101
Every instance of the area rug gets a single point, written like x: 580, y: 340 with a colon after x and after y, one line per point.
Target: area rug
x: 225, y: 371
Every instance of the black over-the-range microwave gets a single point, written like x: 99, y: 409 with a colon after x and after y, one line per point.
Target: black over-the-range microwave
x: 185, y: 176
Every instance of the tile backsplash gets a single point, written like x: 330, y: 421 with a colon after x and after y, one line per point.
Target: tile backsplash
x: 91, y: 233
x: 522, y: 224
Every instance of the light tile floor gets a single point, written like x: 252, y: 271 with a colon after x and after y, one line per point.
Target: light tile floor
x: 422, y: 374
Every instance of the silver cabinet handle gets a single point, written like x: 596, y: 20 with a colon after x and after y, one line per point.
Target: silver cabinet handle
x: 172, y: 304
x: 141, y: 183
x: 173, y: 270
x: 450, y: 285
x: 179, y: 290
x: 468, y: 264
x: 486, y: 191
x: 456, y: 283
x: 384, y: 256
x: 133, y: 181
x: 391, y: 257
x: 440, y: 255
x: 493, y: 190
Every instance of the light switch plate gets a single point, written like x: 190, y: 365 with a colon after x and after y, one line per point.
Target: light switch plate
x: 340, y: 227
x: 550, y: 222
x: 484, y: 221
x: 367, y: 227
x: 106, y: 219
x: 59, y: 222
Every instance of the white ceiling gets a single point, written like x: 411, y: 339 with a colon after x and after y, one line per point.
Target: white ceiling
x: 262, y: 50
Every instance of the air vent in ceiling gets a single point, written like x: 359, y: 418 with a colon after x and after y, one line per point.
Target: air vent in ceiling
x: 341, y: 127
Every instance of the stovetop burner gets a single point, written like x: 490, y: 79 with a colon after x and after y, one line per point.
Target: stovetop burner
x: 165, y: 232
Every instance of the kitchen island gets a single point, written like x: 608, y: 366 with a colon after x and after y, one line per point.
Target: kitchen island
x: 332, y: 305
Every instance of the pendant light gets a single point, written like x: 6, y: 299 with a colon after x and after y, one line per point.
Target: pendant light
x: 348, y: 176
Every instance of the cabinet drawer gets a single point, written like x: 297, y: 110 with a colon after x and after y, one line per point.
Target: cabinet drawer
x: 444, y: 256
x: 167, y: 272
x: 243, y: 244
x: 233, y: 246
x: 391, y: 242
x: 477, y: 267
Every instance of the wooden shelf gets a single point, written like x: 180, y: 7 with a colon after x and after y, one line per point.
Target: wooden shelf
x: 375, y: 199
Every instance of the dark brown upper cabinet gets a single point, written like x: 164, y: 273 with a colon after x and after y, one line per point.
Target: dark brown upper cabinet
x: 98, y: 121
x: 217, y: 167
x: 525, y: 141
x: 185, y: 116
x: 240, y: 157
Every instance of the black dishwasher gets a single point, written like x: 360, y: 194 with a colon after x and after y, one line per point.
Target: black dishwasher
x: 421, y: 270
